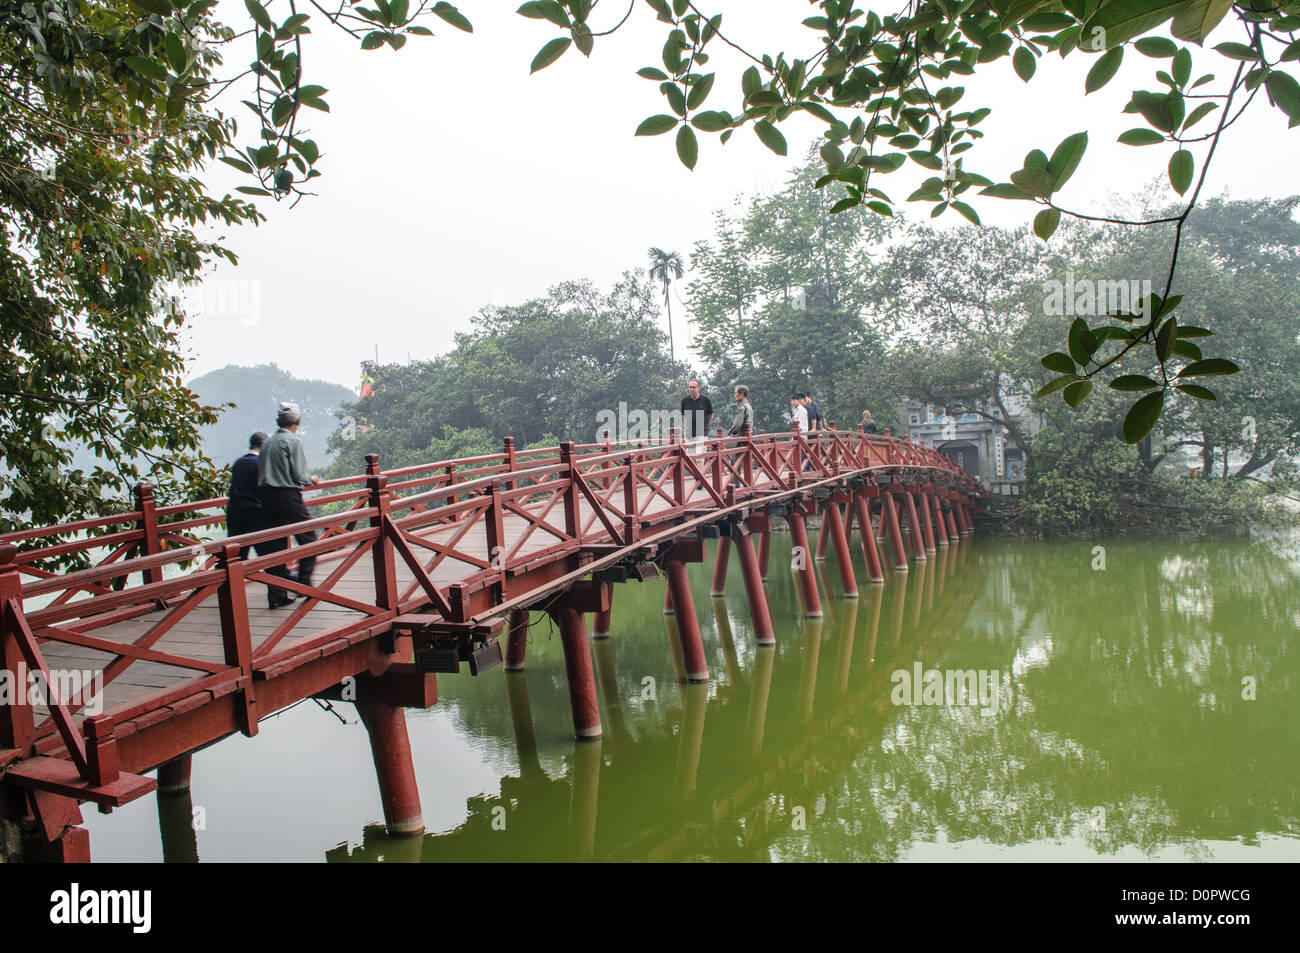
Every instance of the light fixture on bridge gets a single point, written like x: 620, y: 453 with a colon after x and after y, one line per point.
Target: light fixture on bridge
x: 645, y: 571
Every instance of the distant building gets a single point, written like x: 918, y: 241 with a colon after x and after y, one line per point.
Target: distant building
x: 982, y: 446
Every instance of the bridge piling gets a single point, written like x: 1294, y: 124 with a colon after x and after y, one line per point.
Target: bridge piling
x: 174, y: 776
x: 517, y: 640
x: 603, y: 618
x: 848, y: 583
x: 953, y: 534
x: 764, y: 633
x: 764, y: 551
x: 927, y: 527
x: 688, y: 626
x: 914, y: 526
x: 867, y: 535
x: 823, y: 534
x: 580, y: 673
x: 719, y: 587
x: 802, y: 561
x: 889, y: 516
x: 390, y: 746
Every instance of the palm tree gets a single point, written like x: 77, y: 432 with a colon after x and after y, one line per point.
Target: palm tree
x: 666, y: 266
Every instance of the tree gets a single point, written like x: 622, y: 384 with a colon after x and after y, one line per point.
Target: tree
x: 666, y: 267
x: 103, y: 218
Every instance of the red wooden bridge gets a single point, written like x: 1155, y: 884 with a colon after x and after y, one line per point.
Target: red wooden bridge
x: 425, y: 568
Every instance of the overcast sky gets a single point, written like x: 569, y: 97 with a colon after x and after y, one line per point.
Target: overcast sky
x: 452, y: 179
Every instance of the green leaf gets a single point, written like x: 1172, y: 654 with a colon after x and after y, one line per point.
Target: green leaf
x: 239, y: 164
x: 700, y: 91
x: 251, y: 190
x: 1142, y: 416
x: 1132, y: 382
x: 549, y: 53
x: 1194, y: 23
x: 1076, y: 392
x: 150, y: 69
x: 649, y: 72
x: 1024, y: 62
x: 1213, y: 366
x: 656, y: 125
x: 1081, y: 342
x: 1045, y: 222
x: 1197, y: 391
x: 1155, y: 108
x: 1061, y: 363
x: 1199, y: 113
x: 1238, y: 51
x: 1066, y: 158
x: 1165, y: 338
x: 1006, y: 190
x: 1033, y: 181
x: 1284, y: 91
x: 453, y: 16
x: 160, y: 7
x: 967, y: 212
x: 1190, y: 331
x: 1122, y: 20
x: 1181, y: 167
x: 1103, y: 70
x: 1053, y: 386
x: 1158, y: 47
x: 373, y: 40
x: 259, y: 15
x: 711, y: 121
x: 770, y: 136
x: 688, y: 147
x: 1142, y: 136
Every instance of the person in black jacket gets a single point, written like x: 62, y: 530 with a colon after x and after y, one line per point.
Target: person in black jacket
x: 244, y: 506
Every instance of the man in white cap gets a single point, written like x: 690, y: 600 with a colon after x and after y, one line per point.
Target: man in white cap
x: 281, y: 474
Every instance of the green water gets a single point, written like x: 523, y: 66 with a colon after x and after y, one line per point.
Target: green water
x: 1147, y: 710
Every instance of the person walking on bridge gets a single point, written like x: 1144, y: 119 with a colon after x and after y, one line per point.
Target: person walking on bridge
x: 869, y: 424
x: 281, y: 474
x: 798, y: 414
x: 244, y: 500
x: 743, y: 419
x: 697, y: 414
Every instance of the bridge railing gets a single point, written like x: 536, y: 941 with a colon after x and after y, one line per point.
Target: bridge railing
x: 461, y: 529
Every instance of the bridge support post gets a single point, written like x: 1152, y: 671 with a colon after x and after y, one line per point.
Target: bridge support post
x: 764, y: 552
x: 517, y: 640
x: 914, y: 526
x: 390, y: 746
x: 720, y: 567
x: 848, y: 583
x: 688, y: 626
x: 868, y: 537
x: 927, y: 529
x: 802, y: 561
x: 602, y: 621
x: 764, y: 634
x: 946, y: 535
x: 889, y: 515
x: 579, y: 671
x: 953, y: 534
x: 823, y: 531
x: 174, y: 776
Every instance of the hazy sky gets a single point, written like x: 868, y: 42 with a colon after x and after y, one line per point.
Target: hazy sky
x: 452, y: 179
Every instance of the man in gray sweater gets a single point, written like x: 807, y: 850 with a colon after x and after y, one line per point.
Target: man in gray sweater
x: 281, y: 474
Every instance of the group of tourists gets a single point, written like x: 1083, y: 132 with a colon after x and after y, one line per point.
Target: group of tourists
x: 805, y: 414
x: 266, y: 491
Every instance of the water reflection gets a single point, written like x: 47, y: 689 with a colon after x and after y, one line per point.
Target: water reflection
x: 1121, y: 721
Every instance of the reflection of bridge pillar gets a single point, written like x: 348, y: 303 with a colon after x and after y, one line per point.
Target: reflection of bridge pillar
x: 875, y: 599
x: 726, y: 640
x: 764, y: 662
x: 963, y: 518
x: 675, y: 648
x: 695, y: 700
x: 868, y: 536
x: 176, y: 826
x: 668, y: 601
x: 174, y: 776
x: 583, y: 799
x: 578, y: 669
x: 914, y: 526
x: 889, y: 511
x: 812, y: 647
x: 720, y: 567
x: 517, y: 640
x: 390, y: 746
x: 521, y: 720
x: 802, y: 562
x: 764, y: 552
x: 848, y: 632
x: 848, y: 583
x: 764, y: 633
x: 927, y: 520
x: 608, y: 682
x: 688, y: 625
